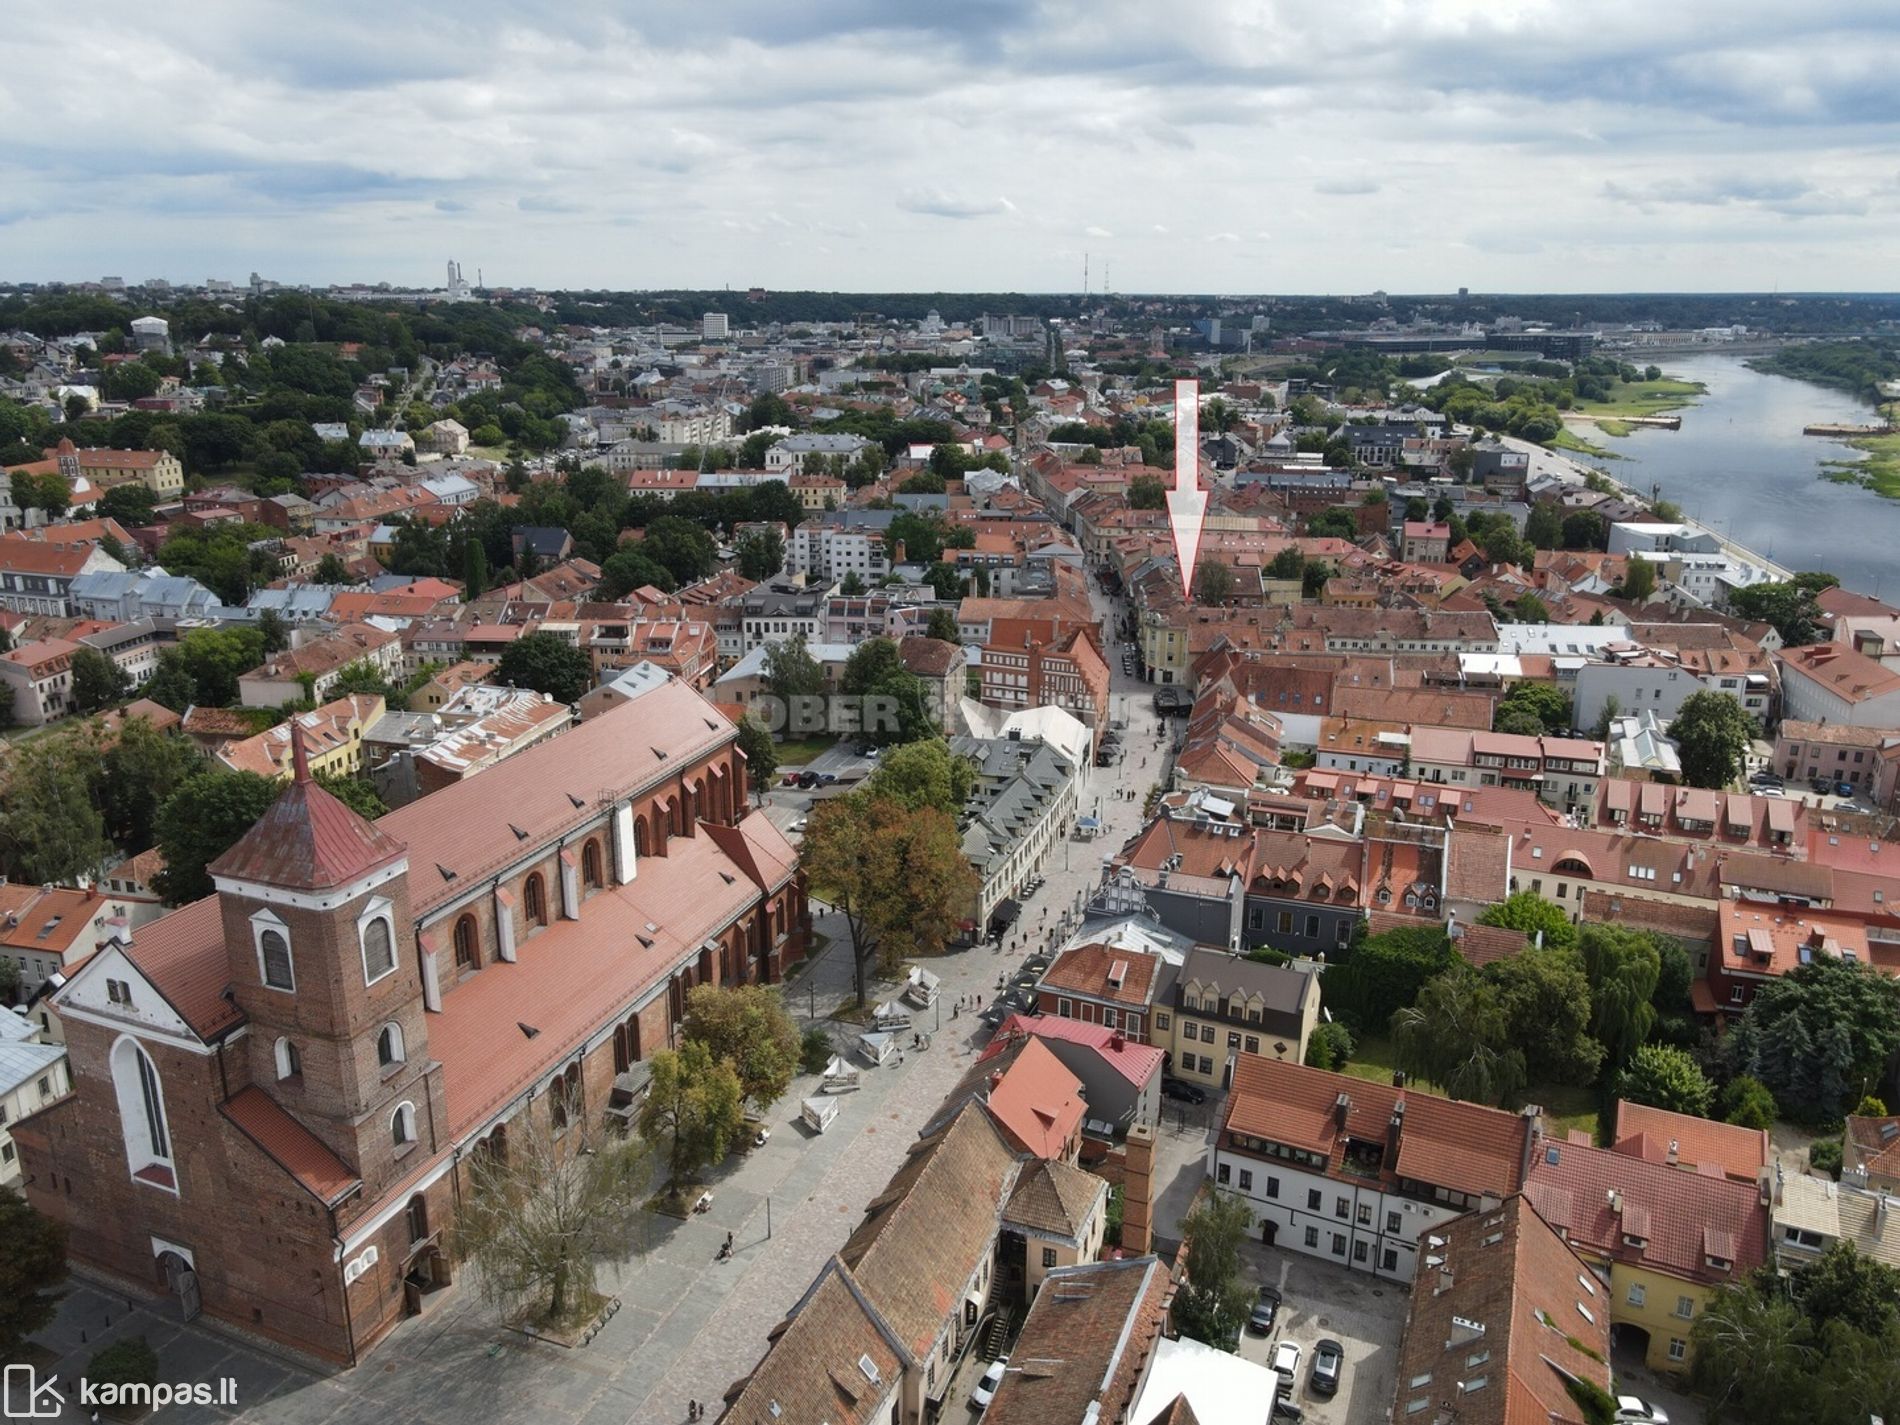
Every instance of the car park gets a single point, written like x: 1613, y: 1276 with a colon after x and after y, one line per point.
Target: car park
x: 1183, y: 1092
x: 1632, y: 1410
x: 1328, y: 1357
x: 985, y: 1391
x: 1266, y: 1307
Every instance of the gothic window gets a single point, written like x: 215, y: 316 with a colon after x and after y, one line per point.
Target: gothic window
x: 590, y: 865
x: 148, y: 1148
x: 379, y: 950
x: 402, y: 1125
x: 467, y: 944
x: 273, y: 953
x: 534, y: 897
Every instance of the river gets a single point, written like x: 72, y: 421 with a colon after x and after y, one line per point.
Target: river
x: 1741, y: 466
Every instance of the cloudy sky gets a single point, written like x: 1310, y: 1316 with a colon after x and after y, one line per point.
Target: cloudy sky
x: 1298, y: 145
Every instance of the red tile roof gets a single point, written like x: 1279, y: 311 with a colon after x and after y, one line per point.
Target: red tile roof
x: 290, y: 1145
x: 1135, y: 1062
x: 1087, y: 970
x: 1038, y: 1102
x: 1741, y: 1153
x: 182, y: 954
x: 1597, y: 1197
x: 308, y: 840
x: 1461, y: 1146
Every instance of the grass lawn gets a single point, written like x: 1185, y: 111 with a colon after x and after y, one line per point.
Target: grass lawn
x: 1879, y: 472
x: 1565, y: 1107
x: 796, y: 752
x: 1643, y: 398
x: 1568, y: 440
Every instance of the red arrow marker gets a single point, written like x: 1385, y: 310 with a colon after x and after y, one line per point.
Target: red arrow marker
x: 1187, y: 501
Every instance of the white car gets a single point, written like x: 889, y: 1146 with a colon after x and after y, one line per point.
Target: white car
x: 1632, y: 1411
x: 1286, y: 1360
x: 985, y: 1391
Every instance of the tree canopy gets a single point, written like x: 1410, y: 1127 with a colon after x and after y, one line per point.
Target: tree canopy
x: 1711, y: 732
x: 1818, y: 1036
x: 548, y: 664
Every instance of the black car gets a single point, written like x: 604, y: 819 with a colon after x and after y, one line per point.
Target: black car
x: 1183, y: 1092
x: 1266, y: 1307
x: 1328, y: 1356
x: 1288, y: 1409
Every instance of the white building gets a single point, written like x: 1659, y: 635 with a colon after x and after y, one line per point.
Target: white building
x: 32, y: 1075
x: 792, y: 452
x: 715, y: 326
x: 1829, y: 682
x: 1360, y: 1172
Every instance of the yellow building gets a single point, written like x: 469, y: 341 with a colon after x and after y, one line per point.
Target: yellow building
x: 332, y: 740
x: 1663, y: 1238
x: 157, y: 470
x: 1223, y: 1005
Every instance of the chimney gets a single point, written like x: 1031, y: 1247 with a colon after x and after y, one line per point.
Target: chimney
x: 1341, y: 1107
x: 1138, y: 1157
x: 1393, y: 1131
x: 1674, y: 1154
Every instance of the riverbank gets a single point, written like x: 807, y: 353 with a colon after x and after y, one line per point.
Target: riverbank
x: 1631, y: 401
x: 1878, y: 470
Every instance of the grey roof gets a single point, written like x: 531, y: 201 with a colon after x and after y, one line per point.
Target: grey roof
x: 1282, y: 986
x: 21, y: 1062
x: 811, y: 443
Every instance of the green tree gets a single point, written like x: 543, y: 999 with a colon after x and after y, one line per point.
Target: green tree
x: 1711, y: 731
x: 31, y: 1268
x: 1624, y: 967
x: 683, y: 548
x: 924, y: 774
x: 792, y: 673
x: 537, y: 1218
x: 1458, y: 1035
x: 1146, y: 492
x: 1528, y: 608
x: 943, y: 625
x: 200, y: 822
x: 215, y: 657
x: 1790, y: 607
x: 1753, y: 1354
x: 1747, y: 1103
x: 131, y: 505
x: 869, y: 663
x: 1289, y: 563
x: 272, y: 629
x: 694, y: 1109
x: 98, y: 682
x: 171, y: 684
x: 331, y: 570
x: 548, y: 664
x: 630, y: 569
x: 1546, y: 999
x: 762, y: 554
x: 1531, y: 913
x: 1533, y: 709
x: 897, y: 876
x: 1215, y: 583
x: 475, y: 569
x: 139, y: 772
x: 355, y: 793
x: 1544, y: 527
x: 1213, y: 1303
x: 761, y: 754
x: 1585, y: 529
x: 1639, y: 579
x: 1818, y: 1036
x: 747, y: 1027
x: 1663, y: 1077
x: 50, y: 830
x: 1383, y: 973
x: 1329, y: 1046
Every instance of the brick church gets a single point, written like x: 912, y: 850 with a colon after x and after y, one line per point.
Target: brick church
x: 277, y: 1088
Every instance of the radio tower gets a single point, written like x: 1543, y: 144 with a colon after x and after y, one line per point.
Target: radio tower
x: 1085, y: 274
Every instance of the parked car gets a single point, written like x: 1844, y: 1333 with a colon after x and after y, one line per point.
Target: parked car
x: 1286, y: 1361
x: 985, y: 1390
x: 808, y: 779
x: 1843, y: 789
x: 1632, y: 1411
x: 1328, y: 1357
x: 1183, y: 1092
x: 798, y: 825
x: 1286, y: 1408
x: 1266, y: 1306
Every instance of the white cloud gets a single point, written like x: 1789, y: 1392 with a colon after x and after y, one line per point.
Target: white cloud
x: 677, y: 144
